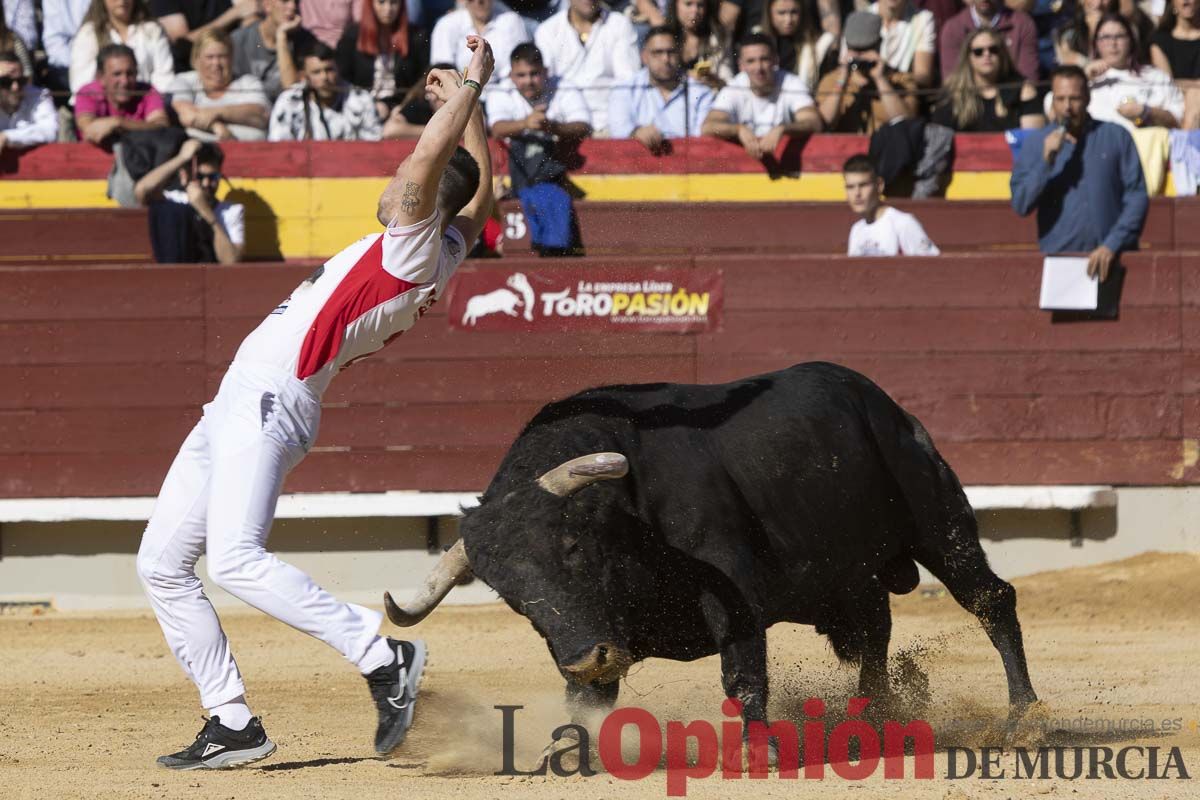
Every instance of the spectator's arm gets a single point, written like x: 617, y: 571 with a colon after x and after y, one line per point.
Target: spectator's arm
x: 1029, y: 96
x: 895, y: 104
x: 396, y: 127
x: 649, y: 10
x: 1134, y: 200
x: 914, y: 241
x: 253, y: 115
x: 1030, y: 175
x: 175, y: 26
x: 830, y: 93
x: 155, y: 119
x: 474, y: 214
x: 569, y: 131
x: 1159, y: 59
x: 504, y: 128
x: 728, y: 14
x: 923, y: 69
x: 226, y: 251
x: 721, y: 125
x: 804, y: 120
x: 285, y: 59
x: 149, y: 186
x: 44, y: 128
x: 1159, y: 117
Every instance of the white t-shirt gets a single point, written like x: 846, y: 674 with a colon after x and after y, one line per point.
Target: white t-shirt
x: 744, y: 107
x: 504, y: 31
x: 245, y: 89
x: 230, y: 216
x: 357, y: 301
x: 609, y: 57
x: 507, y: 104
x: 893, y: 233
x: 1151, y: 87
x: 915, y: 32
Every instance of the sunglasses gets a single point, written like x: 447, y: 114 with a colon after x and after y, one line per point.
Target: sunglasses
x: 213, y: 177
x: 991, y: 50
x: 15, y: 82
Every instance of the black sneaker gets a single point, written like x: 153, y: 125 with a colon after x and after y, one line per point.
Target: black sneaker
x: 218, y: 747
x: 394, y: 690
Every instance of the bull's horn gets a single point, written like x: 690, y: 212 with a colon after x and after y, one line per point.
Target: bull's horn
x: 452, y: 566
x: 570, y: 477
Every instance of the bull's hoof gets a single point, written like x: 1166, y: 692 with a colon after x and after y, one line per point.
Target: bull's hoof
x: 1026, y: 724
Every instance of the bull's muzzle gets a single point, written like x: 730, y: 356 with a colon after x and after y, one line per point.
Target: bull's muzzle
x: 604, y: 663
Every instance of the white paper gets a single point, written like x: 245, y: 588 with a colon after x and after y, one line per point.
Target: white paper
x: 1066, y: 285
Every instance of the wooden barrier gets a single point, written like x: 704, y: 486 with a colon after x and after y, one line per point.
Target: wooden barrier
x: 104, y: 370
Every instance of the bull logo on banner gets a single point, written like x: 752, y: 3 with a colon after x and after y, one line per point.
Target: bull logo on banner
x: 506, y: 300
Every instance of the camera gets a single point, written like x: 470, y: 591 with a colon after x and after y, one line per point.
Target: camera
x: 862, y: 65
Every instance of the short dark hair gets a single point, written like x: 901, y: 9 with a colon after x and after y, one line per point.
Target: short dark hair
x: 662, y: 30
x: 1070, y: 71
x: 111, y: 51
x: 9, y: 57
x: 210, y: 153
x: 860, y: 162
x: 751, y: 39
x: 318, y: 50
x: 458, y: 183
x: 529, y: 53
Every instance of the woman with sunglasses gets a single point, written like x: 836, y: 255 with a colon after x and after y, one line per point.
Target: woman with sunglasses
x: 985, y: 92
x: 1124, y: 90
x: 800, y: 43
x: 704, y: 42
x: 382, y: 54
x: 126, y: 22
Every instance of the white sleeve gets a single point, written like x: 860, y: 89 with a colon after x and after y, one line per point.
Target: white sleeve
x: 854, y: 247
x: 912, y: 237
x: 727, y: 102
x: 499, y: 106
x: 233, y: 220
x: 543, y: 37
x: 44, y: 127
x: 927, y: 43
x: 84, y: 50
x: 413, y: 253
x: 571, y: 106
x: 162, y: 63
x: 1172, y: 98
x: 795, y: 95
x: 455, y: 249
x: 441, y: 49
x: 625, y: 59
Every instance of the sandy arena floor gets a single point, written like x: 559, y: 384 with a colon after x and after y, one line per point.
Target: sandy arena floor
x: 90, y: 700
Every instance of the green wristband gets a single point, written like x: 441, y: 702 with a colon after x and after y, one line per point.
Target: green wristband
x: 473, y: 84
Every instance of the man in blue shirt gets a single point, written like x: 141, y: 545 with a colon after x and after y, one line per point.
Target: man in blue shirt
x: 1083, y: 177
x: 660, y: 103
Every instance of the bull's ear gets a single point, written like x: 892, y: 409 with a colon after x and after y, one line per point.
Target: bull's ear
x: 573, y: 475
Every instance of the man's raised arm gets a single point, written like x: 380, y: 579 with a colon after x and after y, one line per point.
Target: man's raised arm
x: 411, y: 196
x: 474, y: 214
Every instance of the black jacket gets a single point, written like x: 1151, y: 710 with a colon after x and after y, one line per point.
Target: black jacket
x: 359, y: 68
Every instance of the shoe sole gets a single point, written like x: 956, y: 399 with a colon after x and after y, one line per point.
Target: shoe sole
x: 416, y: 670
x: 229, y: 760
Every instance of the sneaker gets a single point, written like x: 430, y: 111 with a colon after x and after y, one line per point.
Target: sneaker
x: 394, y: 690
x: 218, y: 747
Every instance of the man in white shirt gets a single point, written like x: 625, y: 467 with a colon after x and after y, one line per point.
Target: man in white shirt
x: 589, y: 48
x: 662, y: 102
x: 27, y: 115
x: 493, y: 20
x: 763, y: 103
x: 529, y: 104
x: 323, y: 107
x: 883, y: 230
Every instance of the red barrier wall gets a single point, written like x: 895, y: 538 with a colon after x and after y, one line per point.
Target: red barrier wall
x: 104, y: 370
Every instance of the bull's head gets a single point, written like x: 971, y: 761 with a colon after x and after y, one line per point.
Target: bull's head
x: 540, y: 550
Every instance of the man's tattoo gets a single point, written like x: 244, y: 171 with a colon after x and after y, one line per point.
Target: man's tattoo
x: 411, y: 198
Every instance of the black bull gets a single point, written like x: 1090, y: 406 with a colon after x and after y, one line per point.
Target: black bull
x: 692, y: 518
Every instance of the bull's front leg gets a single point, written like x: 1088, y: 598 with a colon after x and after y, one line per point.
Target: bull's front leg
x: 742, y: 642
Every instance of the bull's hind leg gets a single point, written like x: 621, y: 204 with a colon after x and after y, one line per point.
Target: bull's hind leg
x: 959, y: 563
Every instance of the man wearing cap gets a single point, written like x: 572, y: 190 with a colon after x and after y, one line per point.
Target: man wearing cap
x: 864, y: 93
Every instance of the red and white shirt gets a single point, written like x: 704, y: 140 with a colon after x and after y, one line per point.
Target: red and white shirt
x: 357, y: 301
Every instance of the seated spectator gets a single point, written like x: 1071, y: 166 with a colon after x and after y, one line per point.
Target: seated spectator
x: 742, y: 16
x: 864, y: 93
x: 126, y: 22
x: 270, y: 48
x: 1083, y: 177
x: 27, y: 115
x: 763, y: 103
x: 531, y: 104
x: 382, y: 54
x: 328, y: 19
x: 705, y: 43
x: 21, y: 19
x: 1122, y: 89
x: 323, y: 107
x: 909, y: 39
x: 61, y: 20
x: 117, y: 101
x: 882, y: 230
x: 500, y: 25
x: 10, y: 42
x: 1073, y: 42
x: 187, y: 222
x: 801, y: 46
x: 1175, y: 49
x: 412, y: 112
x: 985, y: 92
x: 185, y: 21
x: 589, y: 48
x: 662, y: 102
x: 1015, y: 27
x: 211, y: 103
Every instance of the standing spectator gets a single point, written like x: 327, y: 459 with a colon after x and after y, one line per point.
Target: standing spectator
x: 863, y: 94
x: 589, y: 48
x: 705, y: 43
x: 186, y: 20
x: 763, y: 103
x: 117, y: 101
x: 61, y: 20
x: 21, y: 19
x: 1084, y: 178
x: 187, y: 222
x: 801, y: 46
x: 211, y: 103
x: 502, y: 27
x: 529, y: 104
x: 662, y: 102
x: 382, y: 55
x: 1122, y: 89
x: 985, y: 92
x: 324, y: 107
x: 124, y: 22
x: 270, y: 48
x: 1016, y: 27
x: 27, y: 115
x: 328, y: 19
x: 909, y: 39
x: 10, y: 42
x: 881, y: 229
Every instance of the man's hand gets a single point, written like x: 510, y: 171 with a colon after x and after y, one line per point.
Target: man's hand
x: 749, y: 141
x: 203, y: 118
x: 1052, y: 144
x: 442, y: 84
x: 246, y: 9
x: 199, y: 201
x: 482, y: 60
x: 189, y: 149
x: 770, y: 140
x: 101, y: 128
x: 1095, y: 69
x: 651, y: 138
x: 1100, y: 261
x: 537, y: 121
x: 222, y: 131
x: 1130, y: 110
x: 285, y: 28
